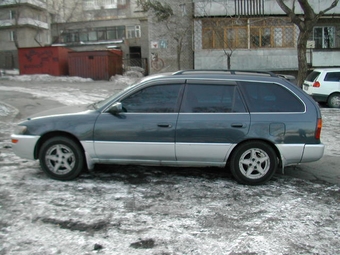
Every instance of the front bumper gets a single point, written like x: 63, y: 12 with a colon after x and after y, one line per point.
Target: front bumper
x: 24, y: 145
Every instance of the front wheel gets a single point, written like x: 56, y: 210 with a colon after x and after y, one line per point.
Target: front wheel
x: 61, y: 158
x: 334, y: 101
x: 253, y: 163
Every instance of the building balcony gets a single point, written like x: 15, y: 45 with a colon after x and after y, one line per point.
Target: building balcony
x: 38, y: 4
x: 100, y: 4
x: 24, y: 22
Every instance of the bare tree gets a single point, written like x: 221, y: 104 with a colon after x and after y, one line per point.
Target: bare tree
x: 305, y: 23
x: 64, y: 12
x: 217, y: 27
x: 177, y: 26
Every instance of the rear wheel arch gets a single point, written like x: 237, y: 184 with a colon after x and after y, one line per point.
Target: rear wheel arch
x: 331, y: 97
x: 234, y: 160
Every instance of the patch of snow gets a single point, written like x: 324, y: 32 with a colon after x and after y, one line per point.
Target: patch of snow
x: 48, y: 78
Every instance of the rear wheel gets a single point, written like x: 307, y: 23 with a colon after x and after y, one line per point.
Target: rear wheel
x: 253, y: 163
x: 334, y: 100
x: 61, y: 158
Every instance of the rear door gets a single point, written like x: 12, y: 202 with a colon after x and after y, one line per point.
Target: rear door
x: 212, y: 118
x: 331, y: 83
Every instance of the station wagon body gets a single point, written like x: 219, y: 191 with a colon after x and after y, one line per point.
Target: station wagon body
x: 252, y: 123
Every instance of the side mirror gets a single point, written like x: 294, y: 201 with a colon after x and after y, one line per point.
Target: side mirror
x: 116, y: 108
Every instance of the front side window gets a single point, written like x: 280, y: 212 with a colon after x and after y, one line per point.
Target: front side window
x: 155, y: 99
x: 270, y: 97
x: 211, y: 98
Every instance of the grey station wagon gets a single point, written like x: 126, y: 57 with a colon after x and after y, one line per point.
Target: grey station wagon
x: 253, y: 123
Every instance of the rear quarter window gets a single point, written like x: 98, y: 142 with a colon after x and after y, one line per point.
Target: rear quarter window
x: 270, y: 97
x: 332, y: 76
x: 312, y: 76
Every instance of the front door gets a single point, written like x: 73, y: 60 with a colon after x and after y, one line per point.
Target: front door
x: 145, y: 131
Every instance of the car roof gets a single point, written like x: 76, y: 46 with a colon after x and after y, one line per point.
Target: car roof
x: 326, y: 69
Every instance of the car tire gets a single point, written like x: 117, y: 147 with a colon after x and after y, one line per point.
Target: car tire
x: 61, y: 158
x: 334, y: 100
x: 253, y: 163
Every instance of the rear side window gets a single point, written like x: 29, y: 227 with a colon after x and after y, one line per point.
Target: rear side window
x: 270, y: 97
x: 333, y: 76
x: 202, y: 98
x: 312, y: 76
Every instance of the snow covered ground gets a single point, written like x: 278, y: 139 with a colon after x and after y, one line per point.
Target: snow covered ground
x: 155, y: 210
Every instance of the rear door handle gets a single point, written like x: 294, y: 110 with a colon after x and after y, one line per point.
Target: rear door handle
x: 164, y: 125
x: 238, y: 125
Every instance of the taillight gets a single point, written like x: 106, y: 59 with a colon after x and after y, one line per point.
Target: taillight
x: 316, y: 84
x: 318, y: 129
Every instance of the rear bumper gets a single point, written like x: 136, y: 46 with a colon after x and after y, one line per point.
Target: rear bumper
x: 300, y: 153
x: 312, y: 152
x: 24, y: 145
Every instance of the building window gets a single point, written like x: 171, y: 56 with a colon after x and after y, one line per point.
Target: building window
x: 12, y: 14
x: 133, y: 31
x: 115, y: 33
x: 95, y: 35
x: 11, y: 36
x: 247, y: 33
x: 324, y: 37
x: 183, y: 9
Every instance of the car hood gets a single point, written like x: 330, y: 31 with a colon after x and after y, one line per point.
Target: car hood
x: 65, y: 110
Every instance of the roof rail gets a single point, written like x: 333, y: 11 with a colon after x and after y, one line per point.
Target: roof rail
x: 226, y: 71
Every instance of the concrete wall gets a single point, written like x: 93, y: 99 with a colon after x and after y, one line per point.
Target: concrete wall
x: 266, y: 60
x: 325, y: 58
x: 227, y: 7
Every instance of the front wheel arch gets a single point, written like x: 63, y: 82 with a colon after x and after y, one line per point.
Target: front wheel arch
x: 61, y: 158
x: 48, y: 136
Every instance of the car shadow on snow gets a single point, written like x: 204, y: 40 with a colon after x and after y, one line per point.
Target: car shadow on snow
x: 131, y: 174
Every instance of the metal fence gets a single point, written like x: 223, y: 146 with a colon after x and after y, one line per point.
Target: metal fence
x: 132, y: 63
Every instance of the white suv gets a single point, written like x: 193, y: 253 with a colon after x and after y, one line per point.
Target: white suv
x: 324, y: 86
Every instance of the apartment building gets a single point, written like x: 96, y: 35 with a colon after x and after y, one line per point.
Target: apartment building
x: 23, y: 23
x: 257, y: 34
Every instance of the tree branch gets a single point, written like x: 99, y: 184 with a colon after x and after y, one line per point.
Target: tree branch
x: 333, y: 5
x: 291, y: 13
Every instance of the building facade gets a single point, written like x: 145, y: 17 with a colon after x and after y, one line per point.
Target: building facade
x: 257, y: 34
x: 24, y: 23
x: 200, y: 34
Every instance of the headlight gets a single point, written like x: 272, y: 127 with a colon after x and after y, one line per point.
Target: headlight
x: 20, y: 130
